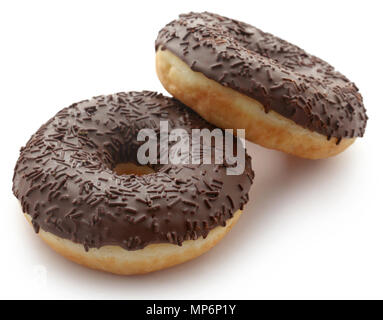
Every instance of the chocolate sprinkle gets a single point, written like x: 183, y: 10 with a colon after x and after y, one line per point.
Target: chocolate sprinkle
x: 65, y: 181
x: 280, y: 75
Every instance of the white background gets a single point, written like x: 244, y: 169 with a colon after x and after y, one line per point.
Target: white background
x: 312, y: 229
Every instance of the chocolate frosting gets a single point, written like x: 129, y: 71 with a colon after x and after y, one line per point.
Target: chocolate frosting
x: 65, y: 181
x: 280, y: 75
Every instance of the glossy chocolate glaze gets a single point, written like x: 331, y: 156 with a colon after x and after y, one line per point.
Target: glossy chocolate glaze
x: 280, y: 75
x: 65, y: 181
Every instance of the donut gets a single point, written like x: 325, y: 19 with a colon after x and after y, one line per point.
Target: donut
x: 72, y: 182
x: 237, y: 76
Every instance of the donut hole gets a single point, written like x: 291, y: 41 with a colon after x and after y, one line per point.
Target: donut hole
x: 132, y: 168
x: 123, y: 160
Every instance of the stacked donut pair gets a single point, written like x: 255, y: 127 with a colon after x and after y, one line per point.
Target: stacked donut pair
x: 72, y: 178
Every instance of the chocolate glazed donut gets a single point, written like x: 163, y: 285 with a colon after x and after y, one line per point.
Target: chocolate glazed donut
x: 124, y: 224
x: 237, y: 76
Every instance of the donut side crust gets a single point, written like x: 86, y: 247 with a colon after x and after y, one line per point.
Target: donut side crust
x: 227, y: 108
x: 153, y: 257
